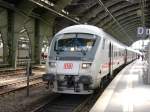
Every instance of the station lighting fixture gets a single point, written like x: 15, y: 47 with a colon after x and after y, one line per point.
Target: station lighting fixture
x: 23, y: 30
x: 22, y: 38
x: 44, y: 41
x: 65, y: 12
x: 24, y: 45
x: 48, y: 2
x: 77, y: 18
x: 132, y: 1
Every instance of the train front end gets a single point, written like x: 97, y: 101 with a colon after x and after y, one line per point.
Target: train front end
x: 70, y: 67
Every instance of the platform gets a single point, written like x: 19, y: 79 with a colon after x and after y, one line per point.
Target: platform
x: 126, y: 93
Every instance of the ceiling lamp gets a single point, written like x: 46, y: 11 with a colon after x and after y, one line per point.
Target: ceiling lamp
x: 132, y: 1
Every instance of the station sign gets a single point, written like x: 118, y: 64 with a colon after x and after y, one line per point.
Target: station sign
x: 143, y: 32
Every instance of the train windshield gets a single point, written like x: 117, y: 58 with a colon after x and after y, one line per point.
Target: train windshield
x: 75, y: 42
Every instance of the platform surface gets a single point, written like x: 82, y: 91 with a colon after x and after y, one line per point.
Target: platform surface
x: 126, y: 93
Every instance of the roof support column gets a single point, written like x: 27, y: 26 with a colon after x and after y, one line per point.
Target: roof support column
x: 3, y: 31
x: 5, y: 48
x: 38, y: 43
x: 12, y: 39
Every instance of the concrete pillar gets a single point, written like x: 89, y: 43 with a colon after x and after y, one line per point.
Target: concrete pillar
x: 12, y: 39
x: 5, y: 46
x: 43, y: 31
x: 3, y: 30
x: 38, y: 43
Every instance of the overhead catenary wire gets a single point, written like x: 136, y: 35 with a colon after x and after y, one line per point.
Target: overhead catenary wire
x: 122, y: 29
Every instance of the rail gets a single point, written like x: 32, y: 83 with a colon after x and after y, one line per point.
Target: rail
x: 6, y: 89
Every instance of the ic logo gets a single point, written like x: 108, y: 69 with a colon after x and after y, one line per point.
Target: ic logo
x: 68, y: 66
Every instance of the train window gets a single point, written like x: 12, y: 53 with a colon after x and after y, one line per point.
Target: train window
x: 120, y: 53
x: 103, y: 46
x: 75, y: 42
x: 110, y: 53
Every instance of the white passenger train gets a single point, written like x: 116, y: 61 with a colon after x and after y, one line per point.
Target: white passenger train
x: 80, y: 56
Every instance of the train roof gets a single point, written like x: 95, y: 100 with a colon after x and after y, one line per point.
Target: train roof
x: 82, y: 29
x: 90, y: 29
x: 133, y: 50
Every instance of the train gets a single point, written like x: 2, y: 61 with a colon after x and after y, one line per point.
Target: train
x: 82, y: 57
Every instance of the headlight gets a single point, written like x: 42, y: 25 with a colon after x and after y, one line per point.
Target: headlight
x: 86, y: 65
x: 52, y: 64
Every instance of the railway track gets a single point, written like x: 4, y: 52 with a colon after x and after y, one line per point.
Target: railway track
x: 5, y: 75
x: 68, y: 103
x: 63, y: 103
x: 16, y: 85
x: 11, y: 70
x: 13, y: 80
x: 12, y: 75
x: 71, y: 103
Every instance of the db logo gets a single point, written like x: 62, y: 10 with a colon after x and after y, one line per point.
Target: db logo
x: 68, y: 66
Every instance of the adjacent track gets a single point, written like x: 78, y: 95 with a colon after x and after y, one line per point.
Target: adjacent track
x: 15, y: 86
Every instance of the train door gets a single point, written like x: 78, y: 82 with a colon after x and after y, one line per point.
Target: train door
x: 110, y: 59
x: 125, y: 56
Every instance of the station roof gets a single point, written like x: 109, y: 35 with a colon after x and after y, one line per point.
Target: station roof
x: 120, y: 18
